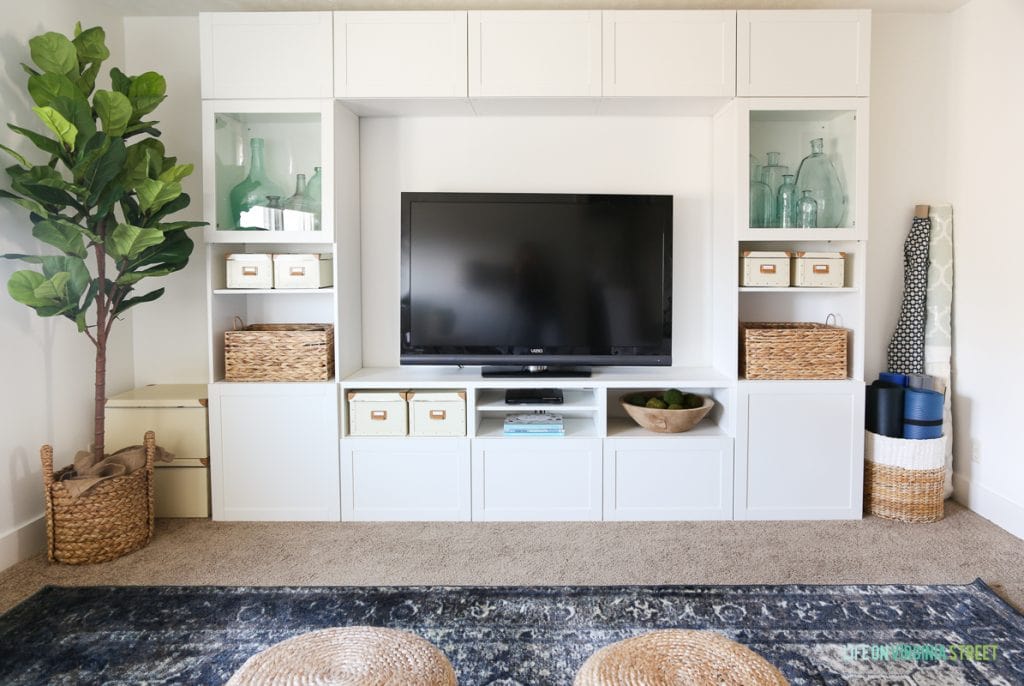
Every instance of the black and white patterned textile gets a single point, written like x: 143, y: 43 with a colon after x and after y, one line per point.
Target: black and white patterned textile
x: 514, y: 636
x: 906, y: 347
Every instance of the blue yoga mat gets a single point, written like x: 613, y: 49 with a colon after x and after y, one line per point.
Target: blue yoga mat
x: 922, y: 413
x: 894, y: 377
x: 883, y: 412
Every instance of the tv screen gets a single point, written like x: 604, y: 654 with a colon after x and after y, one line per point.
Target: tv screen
x: 536, y: 279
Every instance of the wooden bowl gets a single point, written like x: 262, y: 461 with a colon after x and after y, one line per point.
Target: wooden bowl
x: 666, y: 421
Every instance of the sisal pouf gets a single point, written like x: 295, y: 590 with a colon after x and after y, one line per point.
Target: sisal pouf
x: 349, y: 656
x: 677, y: 657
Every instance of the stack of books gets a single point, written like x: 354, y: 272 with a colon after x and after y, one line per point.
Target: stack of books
x: 534, y: 424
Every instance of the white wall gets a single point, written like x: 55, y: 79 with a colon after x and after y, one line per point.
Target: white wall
x: 170, y: 333
x: 655, y: 155
x: 909, y: 93
x: 46, y: 366
x: 986, y: 178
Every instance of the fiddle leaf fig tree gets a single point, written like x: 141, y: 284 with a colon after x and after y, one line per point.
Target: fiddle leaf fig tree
x: 101, y: 196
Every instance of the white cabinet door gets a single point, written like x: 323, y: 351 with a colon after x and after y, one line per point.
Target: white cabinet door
x: 669, y: 53
x: 274, y: 451
x: 803, y: 53
x: 405, y: 479
x: 800, y: 450
x: 529, y: 478
x: 266, y: 54
x: 535, y: 53
x: 399, y: 54
x: 668, y: 478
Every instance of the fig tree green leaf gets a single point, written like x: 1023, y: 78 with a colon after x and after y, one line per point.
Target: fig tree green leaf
x: 91, y: 45
x: 132, y: 302
x: 54, y: 53
x: 155, y: 194
x: 53, y: 288
x: 45, y: 88
x: 16, y: 155
x: 62, y: 236
x: 40, y: 141
x: 55, y: 121
x: 176, y: 173
x: 22, y: 287
x: 146, y: 92
x: 127, y: 241
x: 114, y: 110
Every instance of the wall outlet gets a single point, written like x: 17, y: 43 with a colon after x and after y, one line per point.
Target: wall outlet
x: 975, y: 451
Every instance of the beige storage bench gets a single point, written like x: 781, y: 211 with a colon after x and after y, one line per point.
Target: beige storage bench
x: 177, y: 413
x: 437, y: 413
x: 378, y: 413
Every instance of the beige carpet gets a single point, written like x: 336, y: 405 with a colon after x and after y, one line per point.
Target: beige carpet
x: 958, y: 549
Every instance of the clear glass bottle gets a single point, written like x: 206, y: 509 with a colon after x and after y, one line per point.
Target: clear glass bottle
x: 755, y: 168
x: 818, y: 175
x: 301, y: 217
x: 275, y: 213
x: 807, y: 211
x: 786, y: 203
x: 772, y: 173
x: 315, y: 194
x: 253, y: 189
x: 760, y: 204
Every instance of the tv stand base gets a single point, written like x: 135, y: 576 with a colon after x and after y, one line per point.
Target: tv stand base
x: 535, y: 371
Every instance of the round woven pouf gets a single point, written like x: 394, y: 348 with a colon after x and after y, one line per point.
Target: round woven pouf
x: 676, y: 657
x: 349, y: 656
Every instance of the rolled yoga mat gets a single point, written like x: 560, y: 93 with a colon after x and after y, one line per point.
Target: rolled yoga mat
x: 922, y: 413
x: 921, y: 381
x: 883, y: 413
x: 894, y: 378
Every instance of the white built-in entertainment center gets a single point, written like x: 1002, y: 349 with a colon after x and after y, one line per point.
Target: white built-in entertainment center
x: 656, y: 102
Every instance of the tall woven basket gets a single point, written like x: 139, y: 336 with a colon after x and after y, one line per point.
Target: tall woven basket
x: 904, y: 479
x: 111, y: 519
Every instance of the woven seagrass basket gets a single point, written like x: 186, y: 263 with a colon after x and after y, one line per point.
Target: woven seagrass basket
x: 904, y: 479
x: 111, y: 519
x: 279, y: 352
x: 793, y: 350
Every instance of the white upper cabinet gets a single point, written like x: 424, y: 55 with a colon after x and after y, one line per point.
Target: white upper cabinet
x: 803, y: 53
x: 669, y: 53
x: 399, y: 54
x: 535, y: 53
x: 266, y: 54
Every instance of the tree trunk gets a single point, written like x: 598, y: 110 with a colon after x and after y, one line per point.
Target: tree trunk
x: 99, y: 417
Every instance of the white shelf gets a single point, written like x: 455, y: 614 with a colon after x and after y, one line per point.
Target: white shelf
x: 796, y: 289
x: 212, y: 235
x: 575, y: 427
x: 624, y: 427
x: 271, y: 291
x: 603, y: 377
x: 852, y: 233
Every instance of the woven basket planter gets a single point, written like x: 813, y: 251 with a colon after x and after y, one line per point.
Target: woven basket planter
x: 905, y: 479
x: 793, y: 350
x: 111, y: 519
x: 279, y: 352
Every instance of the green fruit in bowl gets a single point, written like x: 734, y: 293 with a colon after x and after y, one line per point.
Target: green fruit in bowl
x: 657, y: 404
x: 692, y: 401
x: 637, y: 400
x: 676, y: 406
x: 673, y: 397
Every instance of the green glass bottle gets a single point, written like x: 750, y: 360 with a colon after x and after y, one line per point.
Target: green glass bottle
x: 253, y: 190
x: 786, y: 203
x: 314, y: 193
x: 807, y: 211
x: 818, y: 175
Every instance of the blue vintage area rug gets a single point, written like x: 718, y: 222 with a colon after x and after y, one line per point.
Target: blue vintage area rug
x: 883, y: 634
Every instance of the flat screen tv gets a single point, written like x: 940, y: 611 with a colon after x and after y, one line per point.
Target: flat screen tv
x: 536, y: 281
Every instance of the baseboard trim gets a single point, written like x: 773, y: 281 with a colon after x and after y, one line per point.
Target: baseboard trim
x: 994, y: 507
x: 23, y: 542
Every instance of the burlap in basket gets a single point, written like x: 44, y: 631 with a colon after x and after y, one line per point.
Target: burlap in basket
x: 111, y: 519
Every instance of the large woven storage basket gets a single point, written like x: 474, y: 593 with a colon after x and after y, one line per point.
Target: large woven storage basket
x: 111, y: 519
x: 904, y: 479
x: 279, y: 352
x: 793, y: 350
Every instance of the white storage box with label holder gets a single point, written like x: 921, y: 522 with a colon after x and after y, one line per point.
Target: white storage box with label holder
x: 177, y: 414
x: 378, y: 413
x: 249, y: 270
x: 765, y: 268
x: 437, y: 413
x: 303, y: 271
x: 819, y: 269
